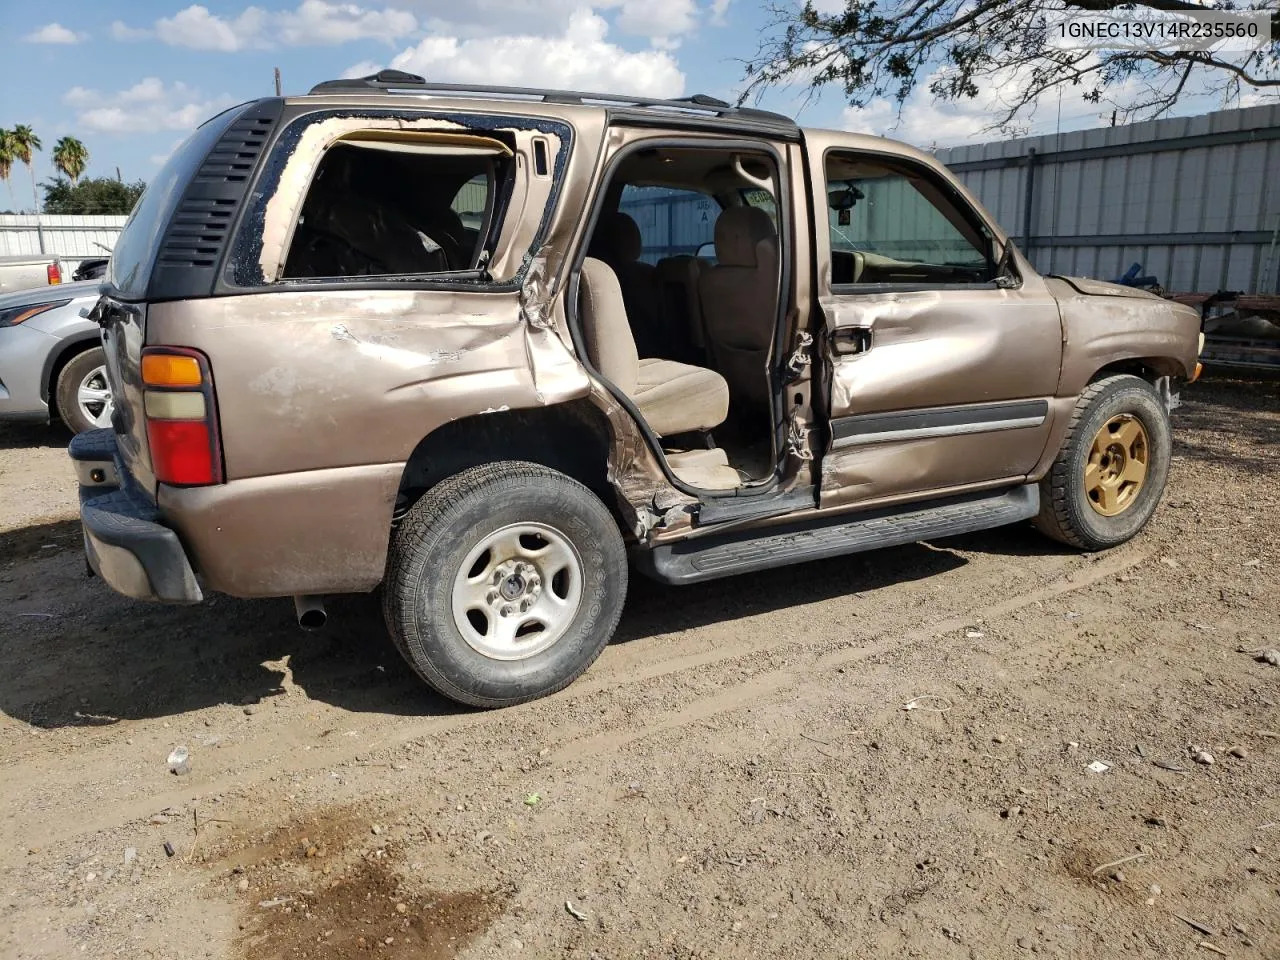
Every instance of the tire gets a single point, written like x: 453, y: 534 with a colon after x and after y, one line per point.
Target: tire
x: 1092, y: 502
x: 551, y: 546
x: 88, y: 370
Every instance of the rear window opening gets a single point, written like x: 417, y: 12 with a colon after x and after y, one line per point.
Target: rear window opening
x: 383, y: 207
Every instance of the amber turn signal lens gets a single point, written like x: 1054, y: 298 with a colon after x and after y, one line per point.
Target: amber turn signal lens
x: 169, y: 370
x: 1196, y: 374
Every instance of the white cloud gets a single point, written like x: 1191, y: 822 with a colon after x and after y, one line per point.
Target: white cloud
x: 122, y: 31
x: 317, y: 23
x: 719, y: 9
x: 311, y: 23
x: 927, y: 123
x: 54, y: 33
x: 147, y: 106
x: 579, y: 59
x: 197, y: 28
x: 362, y: 69
x: 660, y: 20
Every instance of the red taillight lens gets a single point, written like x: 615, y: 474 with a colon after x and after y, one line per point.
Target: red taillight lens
x: 182, y: 452
x: 53, y: 272
x: 182, y: 424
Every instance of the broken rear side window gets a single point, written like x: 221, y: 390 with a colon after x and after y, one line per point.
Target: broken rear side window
x: 382, y: 207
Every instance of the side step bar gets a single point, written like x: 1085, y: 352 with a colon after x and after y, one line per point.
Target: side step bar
x: 710, y: 557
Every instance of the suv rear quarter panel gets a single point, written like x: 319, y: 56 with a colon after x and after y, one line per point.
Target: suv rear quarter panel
x: 324, y: 392
x: 321, y: 399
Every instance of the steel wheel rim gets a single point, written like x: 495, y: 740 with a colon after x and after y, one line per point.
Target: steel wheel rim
x: 517, y: 591
x: 1116, y: 470
x: 93, y: 396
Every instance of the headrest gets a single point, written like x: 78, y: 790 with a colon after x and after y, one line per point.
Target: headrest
x: 738, y: 231
x: 616, y: 239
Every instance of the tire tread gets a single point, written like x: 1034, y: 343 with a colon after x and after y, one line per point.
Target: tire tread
x: 1054, y: 519
x: 428, y: 522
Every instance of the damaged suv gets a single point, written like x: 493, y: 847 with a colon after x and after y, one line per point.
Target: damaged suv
x: 484, y: 349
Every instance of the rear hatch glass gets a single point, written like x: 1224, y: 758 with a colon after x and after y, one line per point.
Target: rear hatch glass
x: 134, y: 255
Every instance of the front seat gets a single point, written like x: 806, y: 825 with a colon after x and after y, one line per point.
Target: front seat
x: 673, y: 397
x: 739, y: 298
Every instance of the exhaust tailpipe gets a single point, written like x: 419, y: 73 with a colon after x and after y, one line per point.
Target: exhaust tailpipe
x: 310, y: 611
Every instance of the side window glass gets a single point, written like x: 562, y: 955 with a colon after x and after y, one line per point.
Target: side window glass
x: 379, y: 208
x: 891, y: 225
x: 671, y: 221
x: 471, y: 204
x: 763, y: 200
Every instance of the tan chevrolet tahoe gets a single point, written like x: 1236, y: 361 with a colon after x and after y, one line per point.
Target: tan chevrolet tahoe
x: 485, y: 349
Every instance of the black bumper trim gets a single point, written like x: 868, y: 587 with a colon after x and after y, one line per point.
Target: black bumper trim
x: 124, y: 540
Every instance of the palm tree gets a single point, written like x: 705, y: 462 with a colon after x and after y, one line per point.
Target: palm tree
x: 71, y: 157
x: 25, y: 142
x: 8, y: 153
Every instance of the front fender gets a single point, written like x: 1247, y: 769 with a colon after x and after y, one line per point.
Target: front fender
x: 1111, y: 324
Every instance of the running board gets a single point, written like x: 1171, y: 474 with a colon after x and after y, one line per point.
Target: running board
x: 710, y: 557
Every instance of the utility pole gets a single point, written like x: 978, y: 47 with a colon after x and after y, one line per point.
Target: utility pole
x: 277, y: 70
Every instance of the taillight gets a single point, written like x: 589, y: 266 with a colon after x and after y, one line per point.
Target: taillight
x: 182, y: 421
x: 54, y: 272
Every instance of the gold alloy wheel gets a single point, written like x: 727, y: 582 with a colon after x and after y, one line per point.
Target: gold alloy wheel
x: 1117, y: 465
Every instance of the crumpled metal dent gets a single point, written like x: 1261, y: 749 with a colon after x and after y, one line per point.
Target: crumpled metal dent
x: 536, y: 295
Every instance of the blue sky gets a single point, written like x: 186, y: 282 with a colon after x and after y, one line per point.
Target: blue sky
x: 132, y: 80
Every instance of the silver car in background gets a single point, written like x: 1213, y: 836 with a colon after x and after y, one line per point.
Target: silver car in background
x: 51, y: 359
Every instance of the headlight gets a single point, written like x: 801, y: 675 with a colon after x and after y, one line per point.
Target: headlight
x: 15, y: 315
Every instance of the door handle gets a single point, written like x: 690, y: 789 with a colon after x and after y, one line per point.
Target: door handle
x: 846, y: 341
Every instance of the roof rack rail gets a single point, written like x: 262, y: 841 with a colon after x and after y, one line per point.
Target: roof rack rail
x: 388, y: 81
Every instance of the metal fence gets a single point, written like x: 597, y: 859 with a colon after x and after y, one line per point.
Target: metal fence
x: 1195, y: 200
x: 73, y: 237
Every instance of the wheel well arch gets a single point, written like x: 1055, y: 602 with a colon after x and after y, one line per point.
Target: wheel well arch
x: 68, y: 350
x: 572, y: 437
x: 1150, y: 369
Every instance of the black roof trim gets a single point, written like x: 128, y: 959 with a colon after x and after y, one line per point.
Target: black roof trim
x: 698, y: 105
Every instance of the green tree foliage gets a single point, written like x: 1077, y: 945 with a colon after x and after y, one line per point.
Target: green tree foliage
x: 71, y: 157
x: 98, y: 195
x: 957, y: 49
x: 25, y: 144
x: 8, y: 154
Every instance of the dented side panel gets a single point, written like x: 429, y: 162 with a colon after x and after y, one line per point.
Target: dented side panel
x: 941, y: 353
x: 308, y: 381
x: 1105, y: 324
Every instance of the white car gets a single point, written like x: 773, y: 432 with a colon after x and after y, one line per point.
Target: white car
x: 51, y: 359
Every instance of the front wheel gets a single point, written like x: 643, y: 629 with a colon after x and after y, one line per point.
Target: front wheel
x: 504, y: 583
x: 1111, y: 471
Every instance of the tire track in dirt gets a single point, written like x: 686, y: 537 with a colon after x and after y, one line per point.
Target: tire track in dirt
x: 887, y: 635
x: 772, y: 682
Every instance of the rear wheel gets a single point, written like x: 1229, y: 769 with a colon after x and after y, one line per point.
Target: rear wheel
x: 82, y: 397
x: 1110, y: 473
x: 504, y: 583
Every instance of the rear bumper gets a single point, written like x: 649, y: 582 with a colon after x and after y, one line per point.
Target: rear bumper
x: 124, y: 540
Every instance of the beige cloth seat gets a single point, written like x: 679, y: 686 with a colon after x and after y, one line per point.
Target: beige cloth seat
x: 673, y: 397
x: 739, y: 298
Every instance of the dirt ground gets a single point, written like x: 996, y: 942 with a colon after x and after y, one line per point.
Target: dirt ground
x: 886, y: 755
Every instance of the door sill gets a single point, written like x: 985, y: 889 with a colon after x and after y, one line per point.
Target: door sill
x: 713, y: 556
